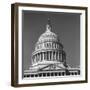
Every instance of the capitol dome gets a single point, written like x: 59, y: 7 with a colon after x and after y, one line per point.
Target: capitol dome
x: 48, y: 51
x: 48, y: 40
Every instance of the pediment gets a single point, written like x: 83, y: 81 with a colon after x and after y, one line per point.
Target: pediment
x: 52, y: 67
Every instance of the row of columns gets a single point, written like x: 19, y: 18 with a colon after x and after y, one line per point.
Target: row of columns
x: 48, y: 45
x: 49, y: 56
x: 51, y: 45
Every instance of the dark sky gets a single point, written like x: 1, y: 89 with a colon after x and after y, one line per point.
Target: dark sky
x: 65, y: 25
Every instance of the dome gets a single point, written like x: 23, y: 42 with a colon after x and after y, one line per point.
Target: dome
x: 48, y: 51
x: 48, y: 35
x: 48, y: 41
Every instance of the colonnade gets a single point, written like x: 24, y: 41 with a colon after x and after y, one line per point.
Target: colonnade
x: 47, y: 56
x: 48, y: 45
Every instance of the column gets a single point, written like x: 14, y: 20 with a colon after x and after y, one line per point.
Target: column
x: 48, y: 55
x: 42, y: 55
x: 36, y: 58
x: 55, y: 55
x: 52, y: 55
x: 58, y: 56
x: 39, y: 57
x: 56, y: 45
x: 45, y: 56
x: 61, y: 56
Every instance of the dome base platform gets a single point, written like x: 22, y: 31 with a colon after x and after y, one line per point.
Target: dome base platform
x: 52, y: 73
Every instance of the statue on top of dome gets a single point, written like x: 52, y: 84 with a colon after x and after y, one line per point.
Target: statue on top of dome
x: 48, y: 26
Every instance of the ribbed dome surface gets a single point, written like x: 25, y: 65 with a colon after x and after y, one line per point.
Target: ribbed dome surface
x: 48, y: 36
x: 48, y: 40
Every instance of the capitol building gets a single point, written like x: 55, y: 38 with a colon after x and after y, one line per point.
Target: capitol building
x: 49, y: 58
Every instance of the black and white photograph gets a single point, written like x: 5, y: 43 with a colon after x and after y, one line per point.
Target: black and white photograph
x: 50, y: 44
